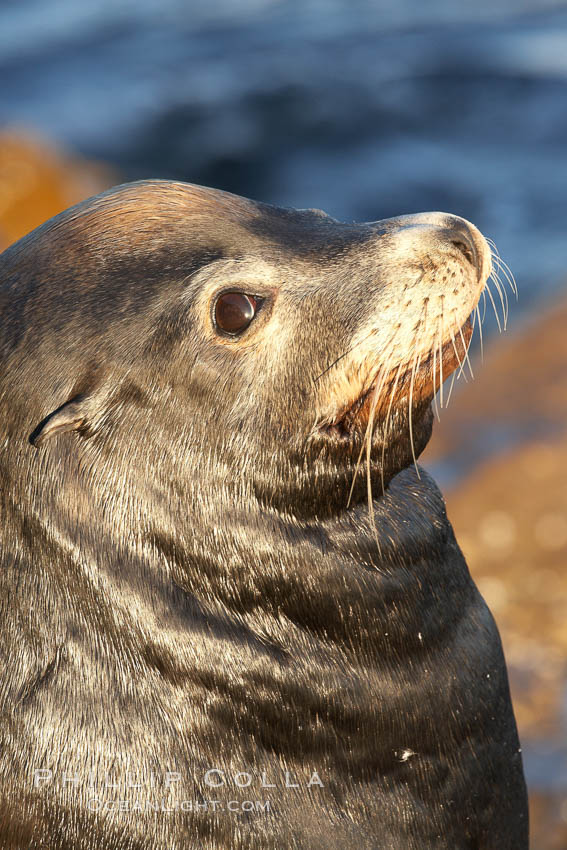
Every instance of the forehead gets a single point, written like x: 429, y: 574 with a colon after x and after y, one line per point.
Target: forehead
x: 306, y: 233
x: 202, y: 212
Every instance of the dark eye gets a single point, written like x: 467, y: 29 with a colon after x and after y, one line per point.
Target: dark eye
x: 234, y: 311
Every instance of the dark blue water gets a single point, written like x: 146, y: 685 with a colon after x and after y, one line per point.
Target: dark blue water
x: 366, y: 109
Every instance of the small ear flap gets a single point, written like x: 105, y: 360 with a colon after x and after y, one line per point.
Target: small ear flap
x: 69, y: 417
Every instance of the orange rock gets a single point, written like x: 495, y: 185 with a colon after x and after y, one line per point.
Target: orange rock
x: 520, y: 386
x: 510, y: 518
x: 37, y: 182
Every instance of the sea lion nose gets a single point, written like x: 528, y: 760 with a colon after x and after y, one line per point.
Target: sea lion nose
x: 467, y: 239
x: 446, y: 232
x: 440, y: 233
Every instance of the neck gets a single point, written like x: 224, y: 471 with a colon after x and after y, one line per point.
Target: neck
x: 236, y: 564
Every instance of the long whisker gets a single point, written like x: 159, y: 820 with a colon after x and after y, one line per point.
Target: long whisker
x: 504, y: 267
x: 392, y: 394
x: 441, y: 354
x: 380, y: 380
x: 503, y: 297
x: 466, y: 347
x: 453, y: 379
x: 415, y: 367
x: 435, y: 403
x: 487, y: 289
x: 368, y: 443
x: 477, y: 311
x: 369, y: 426
x: 461, y: 363
x: 507, y: 272
x: 369, y: 485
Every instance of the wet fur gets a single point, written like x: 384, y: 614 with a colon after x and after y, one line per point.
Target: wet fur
x: 183, y: 585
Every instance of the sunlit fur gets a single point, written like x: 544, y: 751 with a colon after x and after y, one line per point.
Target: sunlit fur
x: 191, y: 576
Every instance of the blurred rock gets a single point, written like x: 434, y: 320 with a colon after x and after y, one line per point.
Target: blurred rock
x: 518, y: 394
x: 509, y: 429
x: 37, y: 182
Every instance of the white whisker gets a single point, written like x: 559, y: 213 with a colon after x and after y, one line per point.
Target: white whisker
x: 392, y: 394
x: 410, y: 410
x: 466, y: 347
x: 487, y: 289
x: 507, y: 272
x: 435, y: 404
x: 451, y: 388
x: 441, y: 356
x: 477, y: 312
x: 503, y: 297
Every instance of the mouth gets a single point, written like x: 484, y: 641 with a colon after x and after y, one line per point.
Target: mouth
x: 409, y: 385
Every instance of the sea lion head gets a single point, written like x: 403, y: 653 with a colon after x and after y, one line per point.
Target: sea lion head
x: 207, y: 343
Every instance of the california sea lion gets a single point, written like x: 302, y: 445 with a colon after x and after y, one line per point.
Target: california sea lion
x: 209, y: 640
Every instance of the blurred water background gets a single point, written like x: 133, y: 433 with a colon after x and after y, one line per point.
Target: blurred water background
x: 367, y: 110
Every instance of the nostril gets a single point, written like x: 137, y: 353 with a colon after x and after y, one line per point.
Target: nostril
x: 465, y: 250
